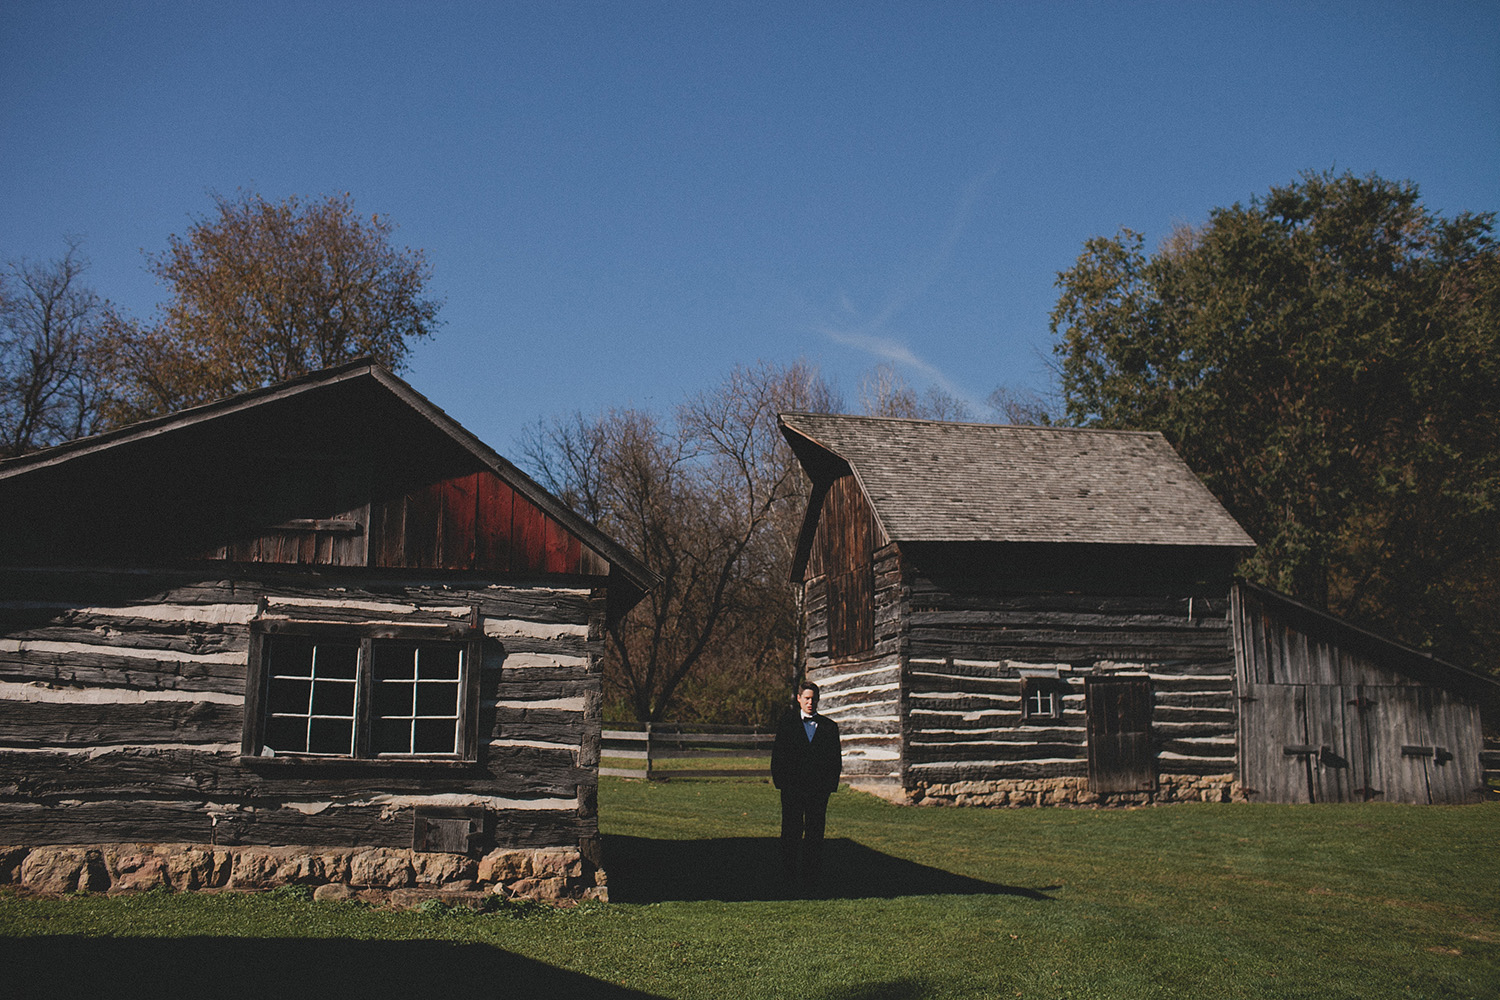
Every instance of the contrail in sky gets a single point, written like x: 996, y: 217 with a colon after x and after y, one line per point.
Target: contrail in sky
x: 869, y: 337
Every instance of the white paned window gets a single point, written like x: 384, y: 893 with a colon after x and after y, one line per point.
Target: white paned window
x: 333, y: 690
x: 1041, y: 699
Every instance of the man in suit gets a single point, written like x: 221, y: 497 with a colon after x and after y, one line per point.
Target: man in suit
x: 806, y: 761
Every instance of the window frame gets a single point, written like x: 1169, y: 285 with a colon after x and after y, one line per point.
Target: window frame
x: 1053, y: 687
x: 468, y: 637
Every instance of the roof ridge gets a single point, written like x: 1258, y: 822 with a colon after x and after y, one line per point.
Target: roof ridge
x: 968, y: 423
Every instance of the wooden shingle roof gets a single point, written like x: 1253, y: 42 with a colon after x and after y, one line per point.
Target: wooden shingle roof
x: 933, y: 481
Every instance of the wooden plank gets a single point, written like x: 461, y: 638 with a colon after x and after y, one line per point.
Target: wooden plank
x: 493, y: 525
x: 352, y: 548
x: 104, y: 670
x: 1340, y: 769
x: 548, y: 725
x: 921, y: 753
x: 562, y: 548
x: 542, y: 690
x: 457, y: 539
x: 340, y: 826
x: 1071, y: 648
x: 423, y: 526
x: 181, y: 774
x: 528, y: 536
x: 45, y: 724
x: 388, y: 532
x: 1011, y: 770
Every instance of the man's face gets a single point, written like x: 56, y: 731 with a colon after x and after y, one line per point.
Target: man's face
x: 807, y: 698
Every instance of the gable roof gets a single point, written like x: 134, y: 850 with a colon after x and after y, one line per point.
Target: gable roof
x: 358, y: 405
x: 935, y: 481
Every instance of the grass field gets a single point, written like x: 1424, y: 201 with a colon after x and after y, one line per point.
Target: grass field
x: 1180, y: 901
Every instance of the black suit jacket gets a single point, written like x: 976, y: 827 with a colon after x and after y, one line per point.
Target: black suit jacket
x: 802, y: 765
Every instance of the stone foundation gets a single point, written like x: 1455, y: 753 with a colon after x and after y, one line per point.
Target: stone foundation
x: 1075, y: 792
x: 549, y: 874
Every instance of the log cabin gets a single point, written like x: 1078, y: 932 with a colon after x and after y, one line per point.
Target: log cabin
x: 1003, y: 615
x: 321, y: 614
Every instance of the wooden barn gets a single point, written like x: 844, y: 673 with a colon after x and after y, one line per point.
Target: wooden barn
x: 1025, y: 615
x: 317, y: 615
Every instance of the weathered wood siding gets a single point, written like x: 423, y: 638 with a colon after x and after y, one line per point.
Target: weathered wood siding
x: 982, y: 620
x: 863, y: 693
x: 122, y: 703
x: 843, y: 558
x: 1327, y: 717
x: 471, y: 521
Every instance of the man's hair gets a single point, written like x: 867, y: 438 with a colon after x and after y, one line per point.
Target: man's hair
x: 808, y: 686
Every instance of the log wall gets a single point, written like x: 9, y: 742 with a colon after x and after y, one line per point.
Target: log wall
x: 975, y: 634
x: 122, y: 706
x: 862, y: 693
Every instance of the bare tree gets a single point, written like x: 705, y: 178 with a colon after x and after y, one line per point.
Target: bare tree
x: 883, y: 392
x: 51, y: 371
x: 1020, y: 406
x: 711, y: 502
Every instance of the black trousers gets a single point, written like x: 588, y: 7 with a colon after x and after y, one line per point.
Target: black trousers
x: 803, y: 816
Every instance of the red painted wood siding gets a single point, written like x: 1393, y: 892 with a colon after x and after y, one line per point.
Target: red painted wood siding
x: 469, y: 522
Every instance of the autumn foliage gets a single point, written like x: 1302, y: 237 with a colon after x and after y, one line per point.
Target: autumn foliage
x: 262, y: 291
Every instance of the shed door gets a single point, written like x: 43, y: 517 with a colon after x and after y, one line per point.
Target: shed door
x: 1121, y: 758
x: 1355, y: 743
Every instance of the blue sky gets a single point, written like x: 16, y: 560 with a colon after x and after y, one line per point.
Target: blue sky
x: 621, y: 200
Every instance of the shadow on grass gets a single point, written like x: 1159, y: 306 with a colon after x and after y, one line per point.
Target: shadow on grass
x: 740, y: 869
x: 281, y: 968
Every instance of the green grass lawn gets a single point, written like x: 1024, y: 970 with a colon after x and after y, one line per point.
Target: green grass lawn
x: 1178, y: 901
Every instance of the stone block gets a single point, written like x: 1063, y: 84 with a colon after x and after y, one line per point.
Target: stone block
x: 504, y: 866
x: 549, y: 889
x: 10, y: 863
x: 254, y: 869
x: 139, y: 872
x: 525, y: 887
x: 437, y: 869
x: 65, y: 869
x: 333, y: 892
x: 556, y: 862
x: 381, y: 868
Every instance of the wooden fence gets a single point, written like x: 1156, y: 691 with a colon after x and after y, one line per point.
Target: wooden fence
x: 1490, y: 760
x: 669, y: 742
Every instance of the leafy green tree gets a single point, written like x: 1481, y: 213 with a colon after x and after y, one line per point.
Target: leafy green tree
x: 263, y: 291
x: 1326, y: 358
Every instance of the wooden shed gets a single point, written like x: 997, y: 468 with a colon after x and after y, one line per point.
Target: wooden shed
x: 320, y: 614
x: 1037, y: 615
x: 1332, y: 713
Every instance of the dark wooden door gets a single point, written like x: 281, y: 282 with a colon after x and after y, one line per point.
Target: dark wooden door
x: 1121, y: 757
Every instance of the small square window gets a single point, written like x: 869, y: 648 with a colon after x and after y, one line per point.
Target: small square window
x: 1041, y: 699
x: 330, y: 690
